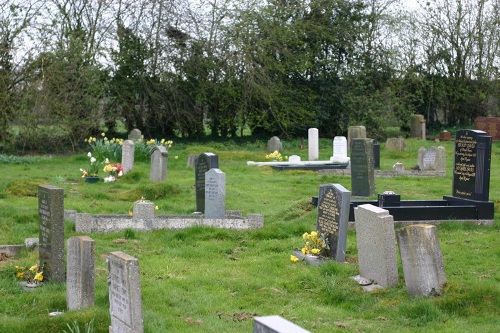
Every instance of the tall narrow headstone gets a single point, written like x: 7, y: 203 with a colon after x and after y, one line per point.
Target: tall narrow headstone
x: 416, y: 126
x: 333, y: 217
x: 190, y: 161
x: 80, y: 272
x: 376, y: 154
x: 215, y: 194
x: 423, y: 266
x: 51, y: 235
x: 362, y: 172
x: 355, y: 132
x: 274, y: 144
x: 128, y: 155
x: 376, y: 241
x: 159, y: 162
x: 313, y: 144
x: 202, y: 164
x: 135, y: 135
x: 340, y: 150
x: 125, y: 305
x: 275, y: 324
x: 471, y: 172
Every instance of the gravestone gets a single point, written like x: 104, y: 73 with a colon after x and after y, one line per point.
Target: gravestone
x: 376, y: 242
x: 490, y: 125
x: 294, y: 159
x: 202, y: 164
x: 362, y: 172
x: 274, y: 144
x: 432, y: 158
x: 128, y: 155
x: 445, y: 135
x: 191, y: 159
x: 159, y: 162
x: 313, y: 144
x: 135, y: 135
x: 471, y: 172
x: 275, y: 324
x: 51, y: 235
x: 376, y: 154
x: 395, y: 144
x: 215, y: 194
x: 423, y: 266
x: 80, y: 272
x: 416, y: 126
x: 340, y: 150
x: 125, y: 305
x: 332, y: 218
x: 143, y: 210
x: 355, y: 132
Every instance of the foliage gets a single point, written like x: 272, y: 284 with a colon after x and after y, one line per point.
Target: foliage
x: 75, y: 327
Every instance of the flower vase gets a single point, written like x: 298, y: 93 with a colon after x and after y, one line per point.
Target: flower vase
x: 29, y: 286
x: 92, y: 179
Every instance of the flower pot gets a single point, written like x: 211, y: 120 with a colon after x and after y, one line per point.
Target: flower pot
x: 29, y: 286
x: 92, y: 179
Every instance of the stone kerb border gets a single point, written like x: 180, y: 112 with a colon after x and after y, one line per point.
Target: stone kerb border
x: 87, y: 223
x: 386, y: 173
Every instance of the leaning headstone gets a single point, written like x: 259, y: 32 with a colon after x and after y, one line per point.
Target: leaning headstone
x: 340, y: 150
x: 313, y: 144
x: 51, y: 235
x: 333, y: 216
x: 125, y: 305
x: 362, y: 172
x: 376, y: 154
x: 128, y: 155
x: 80, y: 273
x: 355, y: 132
x: 203, y: 163
x: 191, y: 159
x: 432, y: 158
x: 376, y: 242
x: 422, y: 260
x: 471, y: 172
x: 395, y: 144
x: 274, y: 144
x: 135, y: 135
x: 159, y: 162
x: 275, y: 324
x: 215, y: 194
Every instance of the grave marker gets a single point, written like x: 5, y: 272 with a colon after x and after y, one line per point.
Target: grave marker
x: 362, y: 172
x: 128, y: 155
x: 159, y: 162
x: 313, y: 144
x: 355, y: 132
x: 274, y: 144
x: 376, y: 154
x: 203, y: 163
x: 471, y: 172
x: 340, y: 149
x: 80, y: 272
x: 432, y: 158
x: 275, y: 324
x: 135, y: 135
x: 125, y: 305
x: 395, y: 144
x: 215, y: 194
x: 332, y: 218
x: 490, y: 125
x: 51, y: 234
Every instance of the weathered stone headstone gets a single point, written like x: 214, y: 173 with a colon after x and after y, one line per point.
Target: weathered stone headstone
x: 313, y: 144
x: 274, y: 144
x: 416, y: 126
x: 51, y: 235
x: 395, y: 144
x: 490, y: 125
x: 80, y: 272
x: 355, y: 132
x: 191, y: 159
x: 398, y: 167
x: 376, y: 154
x: 376, y: 242
x: 135, y: 135
x: 275, y: 324
x: 432, y: 158
x: 125, y: 305
x: 143, y: 210
x: 362, y: 172
x: 422, y: 260
x: 159, y: 162
x: 294, y: 159
x: 340, y: 150
x: 333, y: 217
x: 215, y: 194
x: 471, y: 173
x: 203, y: 163
x: 128, y: 155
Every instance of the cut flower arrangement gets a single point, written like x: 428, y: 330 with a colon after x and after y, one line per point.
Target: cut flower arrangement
x: 93, y: 168
x: 114, y: 170
x: 315, y: 244
x: 33, y: 274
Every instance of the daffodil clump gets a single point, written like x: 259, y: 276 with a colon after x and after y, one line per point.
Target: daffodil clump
x: 314, y: 243
x: 103, y: 147
x: 275, y: 156
x: 143, y: 147
x: 34, y: 274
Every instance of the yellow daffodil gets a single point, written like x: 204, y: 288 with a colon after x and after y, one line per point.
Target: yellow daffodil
x: 176, y: 157
x: 20, y: 275
x: 34, y: 268
x: 315, y: 251
x: 38, y: 276
x: 156, y: 208
x: 294, y: 258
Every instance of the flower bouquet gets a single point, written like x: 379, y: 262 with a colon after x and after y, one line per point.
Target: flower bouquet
x: 315, y: 247
x: 32, y: 276
x: 114, y: 170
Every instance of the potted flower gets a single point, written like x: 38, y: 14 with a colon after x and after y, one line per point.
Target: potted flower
x: 90, y: 175
x: 32, y: 277
x: 315, y: 248
x: 114, y: 170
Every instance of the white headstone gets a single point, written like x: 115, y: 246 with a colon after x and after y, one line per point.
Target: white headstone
x: 275, y: 324
x: 340, y: 150
x: 294, y: 159
x: 128, y: 155
x: 313, y: 144
x: 215, y: 194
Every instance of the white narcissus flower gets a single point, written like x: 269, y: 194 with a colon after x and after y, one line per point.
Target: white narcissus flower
x: 89, y: 154
x: 92, y: 160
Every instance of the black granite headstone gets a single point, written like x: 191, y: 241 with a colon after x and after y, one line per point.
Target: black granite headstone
x: 202, y: 164
x: 362, y: 172
x: 376, y: 154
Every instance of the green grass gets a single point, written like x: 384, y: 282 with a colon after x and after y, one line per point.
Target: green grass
x: 213, y: 280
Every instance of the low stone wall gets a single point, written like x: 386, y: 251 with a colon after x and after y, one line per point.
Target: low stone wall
x: 386, y: 173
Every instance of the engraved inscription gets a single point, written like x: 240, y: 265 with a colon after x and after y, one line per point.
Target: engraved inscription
x: 328, y: 213
x: 465, y: 162
x: 119, y: 293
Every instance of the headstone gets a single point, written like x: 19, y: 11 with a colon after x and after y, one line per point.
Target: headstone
x: 294, y: 159
x: 416, y: 126
x: 422, y: 260
x: 395, y: 144
x: 191, y: 159
x: 445, y: 135
x: 275, y: 324
x: 432, y: 158
x: 340, y: 150
x: 80, y: 272
x: 376, y: 242
x: 144, y: 210
x: 125, y: 305
x: 30, y: 243
x: 215, y: 194
x: 376, y: 154
x: 471, y: 172
x: 128, y: 155
x: 159, y: 162
x: 135, y: 135
x: 398, y: 167
x: 355, y: 132
x: 333, y: 216
x: 203, y: 163
x: 274, y: 144
x: 313, y: 144
x: 362, y: 172
x: 51, y: 235
x: 490, y: 125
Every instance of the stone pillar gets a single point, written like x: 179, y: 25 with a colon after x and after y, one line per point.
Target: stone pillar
x: 313, y: 144
x: 80, y: 272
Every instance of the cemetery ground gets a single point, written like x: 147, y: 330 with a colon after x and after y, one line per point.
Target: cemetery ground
x: 215, y: 280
